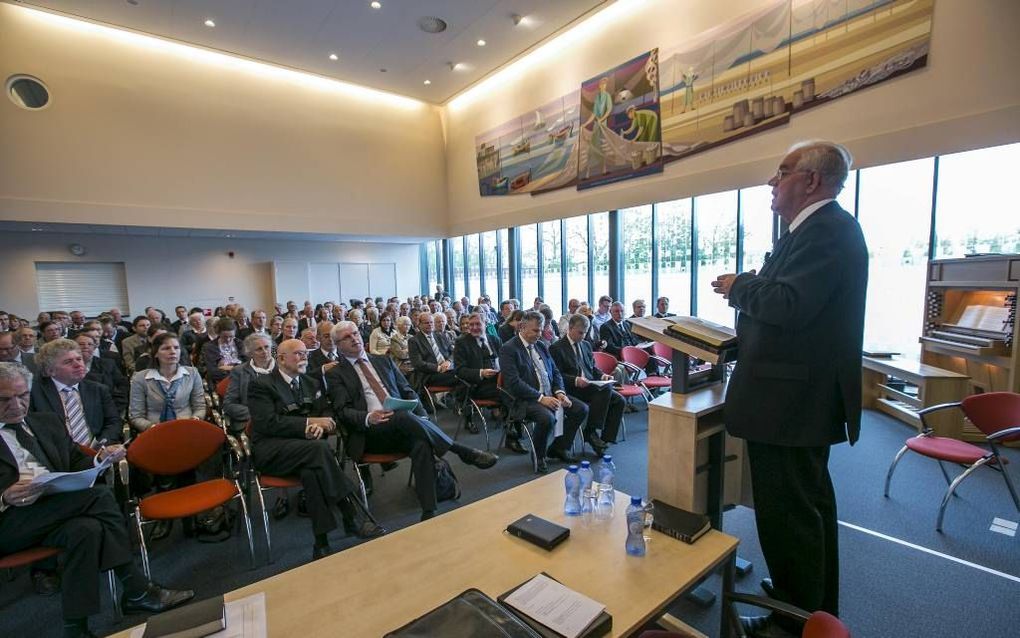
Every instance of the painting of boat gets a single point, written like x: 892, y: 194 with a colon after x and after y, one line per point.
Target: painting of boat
x: 520, y: 180
x: 500, y: 185
x: 539, y: 121
x: 522, y: 146
x: 561, y: 135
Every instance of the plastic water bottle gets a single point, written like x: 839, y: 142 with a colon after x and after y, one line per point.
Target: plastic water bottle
x: 572, y: 505
x: 587, y: 476
x: 635, y: 527
x: 606, y: 473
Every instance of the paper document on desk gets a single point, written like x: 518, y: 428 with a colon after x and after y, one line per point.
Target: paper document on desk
x: 559, y: 608
x: 57, y: 482
x: 396, y: 405
x: 246, y: 618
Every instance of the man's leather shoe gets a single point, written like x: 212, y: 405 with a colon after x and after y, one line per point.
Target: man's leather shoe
x: 768, y: 587
x: 156, y: 599
x: 320, y: 551
x: 543, y: 467
x: 563, y: 455
x: 160, y: 530
x: 302, y: 504
x: 514, y: 445
x: 281, y: 507
x: 763, y: 627
x: 45, y: 582
x: 367, y: 528
x: 597, y: 444
x: 481, y: 460
x: 471, y: 427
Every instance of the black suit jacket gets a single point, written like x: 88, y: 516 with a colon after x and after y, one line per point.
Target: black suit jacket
x: 616, y: 337
x: 797, y: 381
x: 276, y: 413
x: 304, y: 324
x: 423, y: 360
x: 316, y: 359
x: 506, y: 332
x: 106, y: 372
x: 101, y: 413
x: 55, y: 450
x: 567, y: 363
x: 348, y: 398
x: 212, y: 356
x: 519, y: 378
x: 469, y: 358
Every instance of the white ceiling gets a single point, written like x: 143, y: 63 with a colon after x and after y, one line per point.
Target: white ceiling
x: 302, y: 33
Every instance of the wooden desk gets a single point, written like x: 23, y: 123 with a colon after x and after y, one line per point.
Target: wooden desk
x: 381, y: 585
x: 934, y: 386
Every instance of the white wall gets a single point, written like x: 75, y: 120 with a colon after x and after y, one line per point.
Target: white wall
x: 967, y: 97
x: 169, y: 271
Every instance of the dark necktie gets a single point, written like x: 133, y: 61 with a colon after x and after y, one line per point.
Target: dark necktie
x: 373, y: 382
x: 580, y: 361
x: 27, y: 441
x: 295, y: 387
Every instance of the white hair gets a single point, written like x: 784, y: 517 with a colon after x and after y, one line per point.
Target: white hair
x: 831, y: 161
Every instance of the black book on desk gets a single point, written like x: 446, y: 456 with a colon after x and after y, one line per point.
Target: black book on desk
x: 679, y: 523
x: 538, y: 531
x: 190, y: 621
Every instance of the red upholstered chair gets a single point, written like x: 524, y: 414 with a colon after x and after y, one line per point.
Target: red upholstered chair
x: 35, y: 554
x: 664, y: 353
x: 640, y: 358
x: 477, y: 405
x: 174, y: 447
x: 996, y: 414
x: 817, y: 624
x: 264, y: 482
x: 606, y: 364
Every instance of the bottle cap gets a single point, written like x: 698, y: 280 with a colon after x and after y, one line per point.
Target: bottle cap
x: 607, y: 457
x: 572, y: 468
x: 635, y: 500
x: 585, y: 464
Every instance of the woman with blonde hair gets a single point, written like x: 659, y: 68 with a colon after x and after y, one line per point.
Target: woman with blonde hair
x: 398, y: 345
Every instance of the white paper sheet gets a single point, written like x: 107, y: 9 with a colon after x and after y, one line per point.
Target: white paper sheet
x: 601, y: 382
x: 558, y: 430
x: 246, y: 618
x: 57, y: 482
x: 559, y: 608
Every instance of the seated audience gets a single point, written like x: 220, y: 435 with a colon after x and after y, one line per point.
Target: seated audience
x: 10, y: 353
x: 168, y: 390
x: 358, y: 388
x: 508, y: 329
x: 276, y: 328
x: 442, y: 327
x: 108, y: 334
x: 289, y: 330
x: 51, y: 331
x: 572, y: 307
x: 476, y: 362
x: 26, y: 338
x: 103, y: 370
x: 324, y: 356
x: 602, y: 314
x: 223, y: 354
x: 431, y: 355
x: 129, y: 346
x: 290, y: 425
x: 177, y: 327
x: 235, y: 401
x: 662, y: 308
x: 87, y: 525
x: 531, y: 378
x: 616, y: 332
x: 195, y: 336
x: 550, y: 332
x: 638, y: 307
x: 258, y: 325
x: 400, y: 345
x: 379, y: 340
x: 143, y: 353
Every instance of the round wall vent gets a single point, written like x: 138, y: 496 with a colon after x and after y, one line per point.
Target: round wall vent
x: 27, y: 92
x: 431, y: 24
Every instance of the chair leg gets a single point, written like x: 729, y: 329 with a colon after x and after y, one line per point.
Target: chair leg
x: 531, y: 440
x: 1005, y: 477
x: 111, y: 578
x: 265, y: 519
x: 892, y: 468
x: 952, y: 488
x: 247, y: 524
x: 141, y: 544
x: 945, y: 474
x: 361, y: 484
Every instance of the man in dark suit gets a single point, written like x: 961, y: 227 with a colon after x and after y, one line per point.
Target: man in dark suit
x: 431, y: 355
x: 103, y: 370
x: 258, y: 325
x: 662, y: 308
x: 86, y: 408
x: 87, y: 525
x: 574, y: 359
x: 307, y: 320
x: 358, y: 387
x: 796, y: 389
x: 322, y: 359
x: 181, y: 321
x: 223, y: 353
x: 616, y: 332
x: 531, y: 378
x: 476, y: 362
x: 290, y: 423
x: 10, y: 352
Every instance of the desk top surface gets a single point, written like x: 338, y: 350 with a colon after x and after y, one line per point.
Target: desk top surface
x: 382, y: 584
x: 909, y: 368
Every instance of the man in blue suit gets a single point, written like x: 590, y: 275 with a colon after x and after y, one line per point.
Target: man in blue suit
x: 796, y: 389
x: 531, y: 378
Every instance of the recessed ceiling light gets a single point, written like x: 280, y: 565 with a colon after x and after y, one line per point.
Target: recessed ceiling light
x: 210, y: 23
x: 427, y: 82
x: 375, y: 5
x: 334, y: 57
x: 481, y: 43
x: 382, y: 70
x: 432, y: 24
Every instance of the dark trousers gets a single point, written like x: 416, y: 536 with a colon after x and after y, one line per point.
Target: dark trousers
x: 605, y: 410
x: 485, y: 389
x: 314, y: 462
x: 420, y: 439
x: 90, y: 529
x: 545, y: 422
x: 795, y: 511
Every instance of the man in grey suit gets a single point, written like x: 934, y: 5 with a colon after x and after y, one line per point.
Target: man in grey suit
x: 13, y: 354
x: 796, y: 388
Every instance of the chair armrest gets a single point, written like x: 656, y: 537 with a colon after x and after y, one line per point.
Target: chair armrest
x: 1005, y: 434
x: 935, y: 408
x: 245, y: 444
x: 660, y: 360
x: 778, y: 606
x: 123, y: 471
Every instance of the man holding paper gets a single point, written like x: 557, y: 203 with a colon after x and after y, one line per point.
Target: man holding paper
x: 359, y: 388
x: 87, y: 525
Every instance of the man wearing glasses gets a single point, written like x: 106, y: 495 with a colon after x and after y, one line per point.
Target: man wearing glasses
x: 796, y: 388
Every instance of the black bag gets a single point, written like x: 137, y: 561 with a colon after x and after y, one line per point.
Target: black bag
x: 447, y: 486
x: 472, y: 614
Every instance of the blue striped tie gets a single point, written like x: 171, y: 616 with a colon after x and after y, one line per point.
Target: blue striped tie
x: 76, y: 425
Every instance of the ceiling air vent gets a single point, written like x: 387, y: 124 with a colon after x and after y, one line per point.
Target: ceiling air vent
x: 431, y: 24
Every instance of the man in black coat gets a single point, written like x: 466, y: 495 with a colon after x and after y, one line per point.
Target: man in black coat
x: 87, y: 525
x: 86, y: 408
x: 535, y: 388
x: 431, y: 355
x: 103, y: 370
x: 574, y: 359
x: 476, y: 362
x: 616, y: 332
x: 290, y: 423
x: 358, y: 387
x: 796, y: 388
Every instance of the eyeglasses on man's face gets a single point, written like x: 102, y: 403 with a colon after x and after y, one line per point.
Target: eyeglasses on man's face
x: 783, y: 173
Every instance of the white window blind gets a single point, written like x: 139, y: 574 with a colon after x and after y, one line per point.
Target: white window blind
x: 92, y: 287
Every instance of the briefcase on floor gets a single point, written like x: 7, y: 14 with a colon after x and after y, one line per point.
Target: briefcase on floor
x: 471, y: 614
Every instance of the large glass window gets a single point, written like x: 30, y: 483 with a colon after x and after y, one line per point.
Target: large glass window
x: 895, y: 215
x: 975, y: 207
x: 716, y: 219
x: 474, y: 274
x: 758, y: 219
x: 577, y: 258
x: 846, y: 196
x: 431, y: 274
x: 503, y: 291
x: 456, y: 287
x: 529, y: 263
x: 552, y: 266
x: 673, y: 225
x: 491, y: 276
x: 637, y: 256
x: 600, y: 253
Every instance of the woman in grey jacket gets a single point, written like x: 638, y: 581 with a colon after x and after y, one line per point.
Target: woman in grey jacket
x: 235, y: 403
x: 166, y: 391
